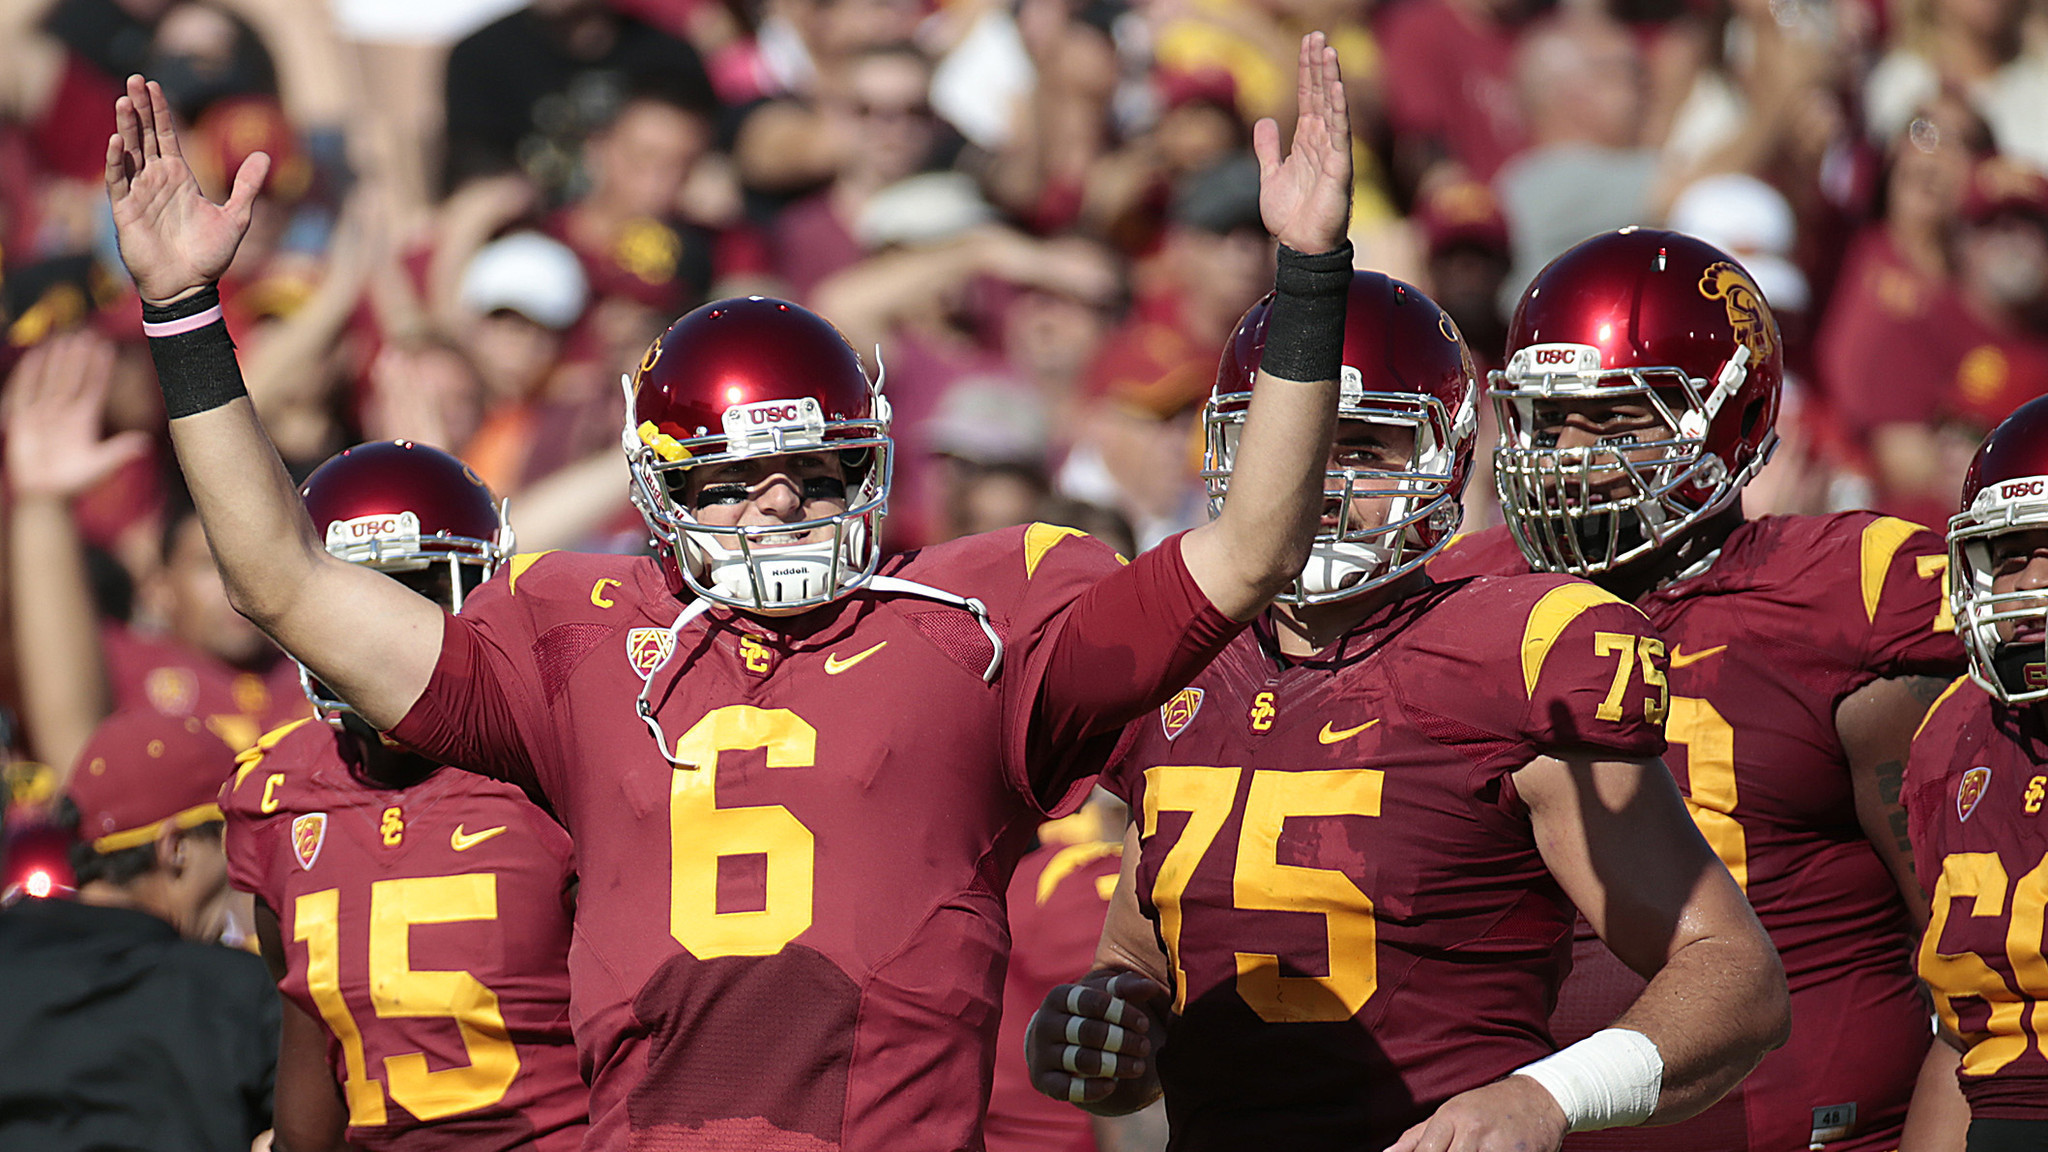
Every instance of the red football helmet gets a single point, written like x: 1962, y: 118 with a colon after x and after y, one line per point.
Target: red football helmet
x: 1404, y: 364
x: 2006, y: 490
x: 757, y: 377
x: 406, y: 508
x: 1643, y: 315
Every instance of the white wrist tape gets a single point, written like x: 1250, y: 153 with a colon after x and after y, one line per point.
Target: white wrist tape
x: 1608, y: 1080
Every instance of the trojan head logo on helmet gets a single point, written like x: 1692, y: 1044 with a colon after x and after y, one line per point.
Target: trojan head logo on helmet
x: 1645, y: 320
x: 412, y: 511
x: 2004, y: 492
x: 1405, y: 366
x: 754, y: 377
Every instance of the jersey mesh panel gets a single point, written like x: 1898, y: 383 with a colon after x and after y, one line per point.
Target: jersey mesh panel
x: 558, y: 650
x: 955, y: 633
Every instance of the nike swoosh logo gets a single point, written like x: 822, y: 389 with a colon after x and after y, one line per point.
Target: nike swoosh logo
x: 834, y: 665
x: 1331, y: 736
x: 463, y: 843
x: 1680, y: 658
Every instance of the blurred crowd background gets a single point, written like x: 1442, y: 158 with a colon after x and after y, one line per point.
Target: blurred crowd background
x: 1037, y: 217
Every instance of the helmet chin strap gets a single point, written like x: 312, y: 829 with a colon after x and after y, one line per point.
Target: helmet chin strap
x: 641, y: 707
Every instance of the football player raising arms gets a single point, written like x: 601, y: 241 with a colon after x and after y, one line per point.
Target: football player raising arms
x: 1362, y: 832
x: 1640, y: 394
x: 789, y: 930
x: 417, y: 918
x: 1975, y: 789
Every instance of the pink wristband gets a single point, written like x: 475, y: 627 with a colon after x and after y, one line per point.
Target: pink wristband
x: 180, y: 326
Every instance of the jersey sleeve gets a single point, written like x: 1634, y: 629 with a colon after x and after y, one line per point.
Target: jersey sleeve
x: 1903, y: 583
x: 255, y: 800
x: 1593, y: 670
x: 1585, y: 673
x: 483, y: 709
x: 1103, y: 643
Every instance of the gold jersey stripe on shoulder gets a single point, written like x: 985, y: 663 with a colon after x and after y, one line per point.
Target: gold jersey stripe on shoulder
x: 518, y: 567
x: 249, y: 757
x: 1070, y: 860
x: 1938, y: 702
x: 1039, y: 539
x: 1551, y: 616
x: 1882, y: 539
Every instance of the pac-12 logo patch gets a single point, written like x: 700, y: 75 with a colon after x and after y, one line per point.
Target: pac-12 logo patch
x: 646, y: 648
x: 1176, y: 714
x: 1970, y: 791
x: 309, y: 832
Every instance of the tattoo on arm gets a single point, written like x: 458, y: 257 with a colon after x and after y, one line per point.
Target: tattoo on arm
x: 1890, y: 777
x: 1925, y: 689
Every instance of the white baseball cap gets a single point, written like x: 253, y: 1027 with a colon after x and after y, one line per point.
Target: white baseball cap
x: 531, y: 274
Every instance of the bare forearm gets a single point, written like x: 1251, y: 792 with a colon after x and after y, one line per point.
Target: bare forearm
x: 1715, y: 1009
x: 1128, y: 942
x: 1939, y: 1118
x: 63, y: 676
x: 1262, y: 536
x: 255, y: 523
x: 866, y: 299
x: 310, y: 1113
x: 784, y: 147
x: 564, y: 508
x: 1876, y: 725
x: 366, y: 636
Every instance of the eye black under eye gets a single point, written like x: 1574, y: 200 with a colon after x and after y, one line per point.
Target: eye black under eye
x: 722, y: 494
x: 824, y: 488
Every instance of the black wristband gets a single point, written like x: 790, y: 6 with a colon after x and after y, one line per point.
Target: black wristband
x: 195, y: 366
x: 1305, y: 325
x: 193, y: 305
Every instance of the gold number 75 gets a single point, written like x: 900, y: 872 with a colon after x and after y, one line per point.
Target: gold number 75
x: 1633, y: 649
x: 1261, y: 883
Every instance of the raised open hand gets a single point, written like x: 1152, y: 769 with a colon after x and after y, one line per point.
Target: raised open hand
x: 1305, y: 199
x: 174, y: 240
x: 55, y: 401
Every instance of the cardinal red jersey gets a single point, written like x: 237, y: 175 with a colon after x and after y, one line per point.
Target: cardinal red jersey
x: 1794, y: 614
x: 1343, y: 876
x: 427, y: 928
x: 237, y: 705
x: 795, y: 940
x: 1976, y: 787
x: 1058, y: 901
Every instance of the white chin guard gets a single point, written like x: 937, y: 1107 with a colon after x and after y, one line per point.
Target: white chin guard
x: 1334, y: 566
x: 788, y: 574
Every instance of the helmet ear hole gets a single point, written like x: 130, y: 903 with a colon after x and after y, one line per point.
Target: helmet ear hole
x: 1751, y: 415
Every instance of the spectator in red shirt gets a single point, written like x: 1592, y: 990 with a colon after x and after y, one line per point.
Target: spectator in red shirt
x: 1449, y: 78
x: 880, y: 127
x: 625, y: 230
x: 1889, y: 344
